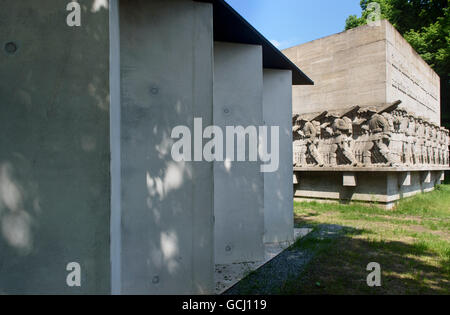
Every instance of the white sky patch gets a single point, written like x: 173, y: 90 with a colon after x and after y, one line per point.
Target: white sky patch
x: 275, y: 43
x: 283, y: 44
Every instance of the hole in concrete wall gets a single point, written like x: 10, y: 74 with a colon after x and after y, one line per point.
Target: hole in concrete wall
x: 154, y: 90
x: 10, y: 48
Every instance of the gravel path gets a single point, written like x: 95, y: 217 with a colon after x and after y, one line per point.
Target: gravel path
x: 270, y: 278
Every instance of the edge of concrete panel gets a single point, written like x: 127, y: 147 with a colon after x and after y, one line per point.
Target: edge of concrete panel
x: 114, y: 79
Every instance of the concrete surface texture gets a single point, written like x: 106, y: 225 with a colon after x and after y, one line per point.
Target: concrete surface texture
x: 86, y: 170
x: 277, y: 104
x: 167, y: 207
x: 54, y: 157
x: 238, y: 186
x: 365, y: 66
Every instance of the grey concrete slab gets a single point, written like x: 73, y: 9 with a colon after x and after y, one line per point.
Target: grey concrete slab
x: 238, y: 186
x: 54, y: 157
x: 167, y: 206
x: 383, y: 188
x: 278, y: 195
x: 375, y: 169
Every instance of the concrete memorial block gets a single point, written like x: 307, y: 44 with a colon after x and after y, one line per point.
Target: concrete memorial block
x: 166, y: 205
x: 54, y: 157
x: 238, y: 186
x: 368, y: 65
x: 394, y: 128
x: 92, y: 198
x: 278, y: 195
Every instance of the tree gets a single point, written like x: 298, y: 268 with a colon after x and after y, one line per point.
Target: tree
x: 425, y: 24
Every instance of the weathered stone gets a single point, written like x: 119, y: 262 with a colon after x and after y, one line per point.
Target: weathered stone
x: 368, y: 65
x: 349, y: 179
x: 393, y: 136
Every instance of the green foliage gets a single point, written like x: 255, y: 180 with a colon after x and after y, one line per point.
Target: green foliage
x: 424, y: 24
x: 354, y: 21
x: 432, y: 42
x: 405, y: 15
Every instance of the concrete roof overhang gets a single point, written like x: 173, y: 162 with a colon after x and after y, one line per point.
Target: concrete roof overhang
x: 230, y: 26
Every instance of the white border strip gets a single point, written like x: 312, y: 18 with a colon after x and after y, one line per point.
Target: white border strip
x: 116, y: 191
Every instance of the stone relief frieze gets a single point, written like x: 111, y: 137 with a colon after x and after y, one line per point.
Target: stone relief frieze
x: 369, y: 137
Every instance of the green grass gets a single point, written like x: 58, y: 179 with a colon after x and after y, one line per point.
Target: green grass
x: 411, y: 243
x: 435, y: 205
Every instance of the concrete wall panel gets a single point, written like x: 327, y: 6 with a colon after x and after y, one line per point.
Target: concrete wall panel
x: 365, y: 66
x: 54, y: 156
x: 348, y: 69
x: 238, y: 186
x: 167, y: 207
x: 278, y: 196
x: 410, y: 78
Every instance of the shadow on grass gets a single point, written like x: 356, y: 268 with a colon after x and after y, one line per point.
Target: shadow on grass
x: 270, y: 278
x: 332, y: 260
x: 340, y: 268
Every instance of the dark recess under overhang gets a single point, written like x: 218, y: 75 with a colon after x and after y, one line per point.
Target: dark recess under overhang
x: 230, y: 26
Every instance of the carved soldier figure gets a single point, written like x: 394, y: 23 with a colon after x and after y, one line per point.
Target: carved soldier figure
x: 446, y: 144
x: 396, y: 140
x: 365, y: 116
x: 343, y: 131
x: 380, y: 135
x: 397, y: 114
x: 390, y: 119
x: 396, y: 143
x: 296, y: 127
x: 433, y: 135
x: 312, y: 133
x: 420, y: 145
x: 438, y: 145
x: 442, y: 146
x: 366, y: 145
x: 410, y: 141
x: 328, y: 139
x: 299, y: 142
x: 428, y: 149
x: 405, y: 148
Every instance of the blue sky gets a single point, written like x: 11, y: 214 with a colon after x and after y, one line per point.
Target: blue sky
x: 291, y: 22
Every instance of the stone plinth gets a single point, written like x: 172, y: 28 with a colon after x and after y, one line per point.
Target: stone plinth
x: 383, y: 186
x: 369, y: 130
